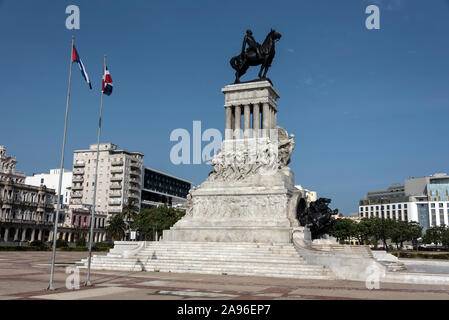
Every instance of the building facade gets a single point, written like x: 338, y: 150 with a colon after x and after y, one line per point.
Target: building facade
x: 424, y: 200
x: 161, y: 188
x: 51, y: 180
x: 26, y: 212
x: 119, y: 178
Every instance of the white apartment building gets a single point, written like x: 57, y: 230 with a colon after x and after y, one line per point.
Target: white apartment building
x: 51, y: 180
x: 119, y: 178
x: 424, y: 200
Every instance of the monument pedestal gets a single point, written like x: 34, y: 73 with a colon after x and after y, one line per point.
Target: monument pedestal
x: 255, y: 210
x: 250, y: 194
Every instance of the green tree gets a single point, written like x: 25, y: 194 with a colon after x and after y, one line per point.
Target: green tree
x: 445, y: 238
x: 116, y: 228
x: 156, y: 219
x: 434, y: 235
x: 343, y: 229
x: 129, y: 212
x: 414, y: 233
x: 398, y: 232
x: 362, y: 231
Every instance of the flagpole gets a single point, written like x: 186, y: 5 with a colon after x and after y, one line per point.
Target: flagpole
x: 58, y: 207
x: 92, y: 217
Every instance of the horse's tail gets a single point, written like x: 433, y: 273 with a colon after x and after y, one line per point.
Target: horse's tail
x: 234, y: 63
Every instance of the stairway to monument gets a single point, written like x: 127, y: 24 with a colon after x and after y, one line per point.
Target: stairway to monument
x: 245, y: 259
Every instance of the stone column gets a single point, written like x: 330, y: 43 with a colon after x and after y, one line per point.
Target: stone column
x: 233, y: 120
x: 228, y: 128
x: 238, y: 122
x: 24, y: 232
x: 39, y: 235
x: 6, y: 234
x: 275, y: 119
x: 33, y: 233
x: 256, y: 120
x: 50, y: 236
x: 266, y: 120
x: 247, y: 120
x: 16, y: 235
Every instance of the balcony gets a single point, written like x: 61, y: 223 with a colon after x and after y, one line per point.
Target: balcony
x: 135, y: 188
x: 117, y: 163
x: 117, y: 170
x: 115, y: 186
x: 114, y: 203
x: 116, y: 178
x: 115, y: 193
x: 78, y: 179
x: 77, y: 188
x: 114, y: 210
x: 134, y: 180
x: 79, y: 164
x: 76, y: 195
x: 78, y: 171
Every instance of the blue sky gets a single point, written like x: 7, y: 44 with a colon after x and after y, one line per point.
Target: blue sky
x: 368, y: 108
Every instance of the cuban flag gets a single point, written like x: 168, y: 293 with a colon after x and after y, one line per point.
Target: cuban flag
x: 107, y: 82
x: 76, y: 58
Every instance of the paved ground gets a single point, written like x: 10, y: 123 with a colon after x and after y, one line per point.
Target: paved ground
x: 25, y: 275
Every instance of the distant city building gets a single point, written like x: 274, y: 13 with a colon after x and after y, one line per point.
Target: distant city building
x: 26, y: 212
x: 162, y: 188
x: 310, y: 195
x: 424, y: 200
x: 51, y: 180
x: 119, y: 178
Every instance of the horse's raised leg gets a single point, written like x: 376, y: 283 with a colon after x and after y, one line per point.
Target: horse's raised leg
x: 237, y: 77
x: 260, y: 72
x: 265, y: 73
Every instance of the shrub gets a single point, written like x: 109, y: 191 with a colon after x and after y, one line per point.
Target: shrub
x: 60, y: 243
x: 38, y: 244
x: 81, y: 242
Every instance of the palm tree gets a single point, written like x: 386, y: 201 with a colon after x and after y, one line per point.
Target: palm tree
x: 116, y: 228
x: 129, y: 213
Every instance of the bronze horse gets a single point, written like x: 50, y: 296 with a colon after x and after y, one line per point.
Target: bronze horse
x: 252, y: 58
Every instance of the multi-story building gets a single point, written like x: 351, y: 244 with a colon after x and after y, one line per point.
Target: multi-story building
x: 424, y: 200
x: 161, y: 188
x: 26, y: 212
x: 119, y: 178
x: 51, y: 180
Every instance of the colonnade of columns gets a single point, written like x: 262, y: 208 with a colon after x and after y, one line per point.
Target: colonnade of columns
x: 33, y: 234
x: 258, y: 121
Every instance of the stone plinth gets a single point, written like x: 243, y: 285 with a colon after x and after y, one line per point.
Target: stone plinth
x: 250, y: 195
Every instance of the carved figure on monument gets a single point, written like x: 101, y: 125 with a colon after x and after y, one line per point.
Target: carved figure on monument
x: 285, y: 147
x: 255, y: 55
x: 317, y: 217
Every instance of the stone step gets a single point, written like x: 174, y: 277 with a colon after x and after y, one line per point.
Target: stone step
x: 253, y: 259
x: 215, y: 253
x: 224, y: 258
x: 321, y: 276
x: 221, y: 268
x: 204, y: 260
x: 217, y: 269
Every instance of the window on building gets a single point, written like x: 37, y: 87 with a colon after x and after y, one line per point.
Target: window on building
x: 432, y: 205
x: 399, y: 206
x: 441, y: 205
x: 433, y: 211
x: 405, y: 206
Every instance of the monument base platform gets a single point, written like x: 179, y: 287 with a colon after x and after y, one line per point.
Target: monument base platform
x: 258, y: 209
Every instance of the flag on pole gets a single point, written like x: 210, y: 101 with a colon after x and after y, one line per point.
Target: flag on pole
x: 76, y: 58
x: 107, y: 82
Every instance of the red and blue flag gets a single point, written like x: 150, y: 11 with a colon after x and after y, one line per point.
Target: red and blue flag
x: 76, y: 58
x: 107, y: 82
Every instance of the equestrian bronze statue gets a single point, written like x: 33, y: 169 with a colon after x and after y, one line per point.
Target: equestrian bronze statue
x: 255, y: 54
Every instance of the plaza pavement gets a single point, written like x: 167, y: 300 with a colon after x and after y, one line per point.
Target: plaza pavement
x: 25, y: 275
